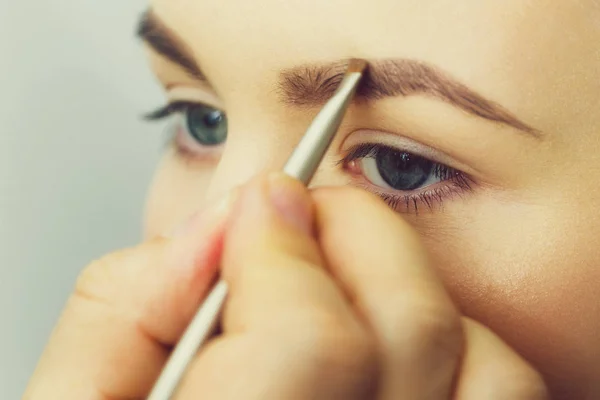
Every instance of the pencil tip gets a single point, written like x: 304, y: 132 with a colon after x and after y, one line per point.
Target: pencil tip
x: 356, y: 65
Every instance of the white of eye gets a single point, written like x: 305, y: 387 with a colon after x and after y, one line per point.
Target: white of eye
x: 370, y: 170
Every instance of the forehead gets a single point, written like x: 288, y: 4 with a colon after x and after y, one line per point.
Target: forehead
x: 417, y: 28
x: 512, y: 49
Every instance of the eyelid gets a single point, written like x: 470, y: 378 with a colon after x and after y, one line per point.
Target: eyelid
x: 402, y: 143
x: 194, y: 95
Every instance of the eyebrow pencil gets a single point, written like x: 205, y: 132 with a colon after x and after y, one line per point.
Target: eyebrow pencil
x: 301, y: 165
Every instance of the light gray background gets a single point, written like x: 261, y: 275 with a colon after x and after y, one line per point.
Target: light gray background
x: 75, y: 158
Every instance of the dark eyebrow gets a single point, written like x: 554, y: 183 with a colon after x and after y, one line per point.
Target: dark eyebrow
x: 165, y: 42
x: 311, y: 85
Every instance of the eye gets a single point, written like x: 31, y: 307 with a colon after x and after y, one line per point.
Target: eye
x: 199, y: 131
x: 399, y: 170
x: 206, y: 125
x: 404, y: 180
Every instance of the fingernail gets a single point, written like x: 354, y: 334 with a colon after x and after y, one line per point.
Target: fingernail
x: 290, y: 201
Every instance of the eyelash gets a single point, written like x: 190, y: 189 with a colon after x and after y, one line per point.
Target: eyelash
x: 452, y: 182
x: 168, y: 110
x: 188, y: 153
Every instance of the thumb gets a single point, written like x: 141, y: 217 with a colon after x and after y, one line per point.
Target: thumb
x: 288, y: 331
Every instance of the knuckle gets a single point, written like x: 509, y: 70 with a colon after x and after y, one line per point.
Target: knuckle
x: 94, y: 280
x: 422, y: 326
x: 526, y: 383
x: 347, y: 352
x: 102, y: 279
x: 340, y: 349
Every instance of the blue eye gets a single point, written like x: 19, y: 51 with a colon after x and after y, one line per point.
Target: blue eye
x: 402, y: 171
x: 404, y: 180
x: 206, y: 125
x: 389, y: 168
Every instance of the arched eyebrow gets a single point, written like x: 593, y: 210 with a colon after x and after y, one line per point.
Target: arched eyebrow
x: 165, y: 42
x: 311, y: 85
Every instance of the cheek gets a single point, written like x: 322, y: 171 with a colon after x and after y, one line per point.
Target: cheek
x: 530, y: 273
x: 177, y: 191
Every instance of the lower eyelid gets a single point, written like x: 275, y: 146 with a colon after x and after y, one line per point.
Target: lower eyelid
x: 187, y: 148
x: 433, y: 198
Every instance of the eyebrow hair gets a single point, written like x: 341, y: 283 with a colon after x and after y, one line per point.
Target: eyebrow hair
x: 165, y: 42
x: 311, y: 85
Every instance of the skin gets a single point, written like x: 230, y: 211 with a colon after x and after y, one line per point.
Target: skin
x: 517, y: 253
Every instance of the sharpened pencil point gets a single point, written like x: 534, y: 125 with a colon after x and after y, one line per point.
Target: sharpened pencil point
x: 356, y: 65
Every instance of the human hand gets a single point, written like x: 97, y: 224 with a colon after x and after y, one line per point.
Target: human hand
x: 347, y: 309
x: 355, y: 314
x: 127, y: 311
x: 425, y: 348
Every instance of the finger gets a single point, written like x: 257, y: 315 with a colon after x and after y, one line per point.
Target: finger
x: 127, y: 310
x: 379, y: 261
x: 493, y: 371
x: 288, y: 331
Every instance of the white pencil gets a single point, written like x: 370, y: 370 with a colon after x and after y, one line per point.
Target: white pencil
x: 302, y: 165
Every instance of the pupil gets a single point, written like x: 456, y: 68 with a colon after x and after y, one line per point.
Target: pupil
x: 214, y: 118
x: 207, y: 125
x: 403, y: 171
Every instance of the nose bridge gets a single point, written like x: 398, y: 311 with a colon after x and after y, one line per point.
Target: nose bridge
x: 247, y: 157
x: 238, y: 166
x: 258, y: 143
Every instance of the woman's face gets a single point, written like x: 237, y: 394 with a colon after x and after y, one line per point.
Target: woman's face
x: 480, y: 125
